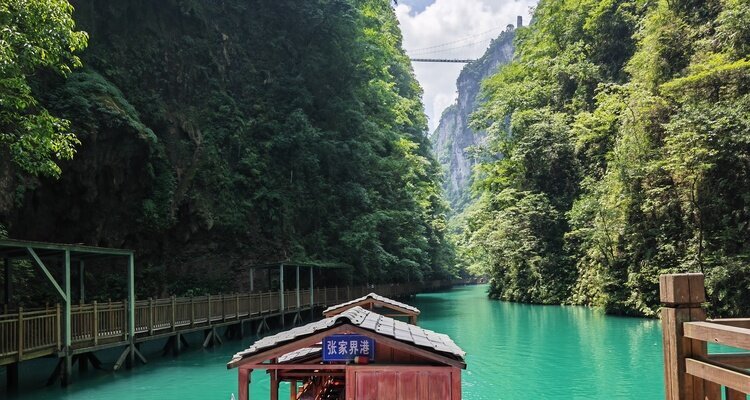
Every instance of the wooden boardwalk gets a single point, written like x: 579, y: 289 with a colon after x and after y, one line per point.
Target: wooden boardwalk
x: 27, y: 334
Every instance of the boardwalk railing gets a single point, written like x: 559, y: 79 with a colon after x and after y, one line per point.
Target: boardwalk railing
x: 32, y: 333
x: 691, y: 372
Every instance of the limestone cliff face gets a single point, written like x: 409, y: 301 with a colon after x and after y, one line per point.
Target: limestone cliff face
x: 453, y: 139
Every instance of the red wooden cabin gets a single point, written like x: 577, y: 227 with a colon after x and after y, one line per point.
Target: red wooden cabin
x: 375, y: 302
x: 409, y: 363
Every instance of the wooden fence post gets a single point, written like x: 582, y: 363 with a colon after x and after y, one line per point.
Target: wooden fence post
x: 59, y: 327
x: 681, y: 296
x: 249, y: 305
x: 174, y: 311
x: 150, y: 316
x: 124, y: 320
x: 20, y: 333
x: 223, y: 308
x: 96, y: 323
x: 208, y: 296
x: 192, y: 311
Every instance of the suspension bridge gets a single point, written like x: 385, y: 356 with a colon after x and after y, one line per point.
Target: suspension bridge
x: 455, y: 51
x: 442, y: 60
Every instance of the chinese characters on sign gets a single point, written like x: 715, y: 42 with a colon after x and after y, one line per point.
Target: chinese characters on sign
x: 346, y: 347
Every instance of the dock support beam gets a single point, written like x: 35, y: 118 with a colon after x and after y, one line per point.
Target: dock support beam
x: 275, y: 385
x: 681, y: 296
x: 243, y: 389
x: 66, y: 363
x: 11, y: 377
x: 131, y: 352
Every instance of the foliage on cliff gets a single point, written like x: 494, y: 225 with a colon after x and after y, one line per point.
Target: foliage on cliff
x: 35, y: 36
x: 216, y: 135
x: 627, y: 155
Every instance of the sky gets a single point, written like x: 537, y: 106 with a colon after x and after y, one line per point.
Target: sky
x: 452, y: 29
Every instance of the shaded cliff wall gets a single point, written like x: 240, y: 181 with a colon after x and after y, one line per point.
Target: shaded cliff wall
x: 217, y: 134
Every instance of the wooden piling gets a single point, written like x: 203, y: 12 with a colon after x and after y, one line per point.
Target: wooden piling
x: 11, y: 377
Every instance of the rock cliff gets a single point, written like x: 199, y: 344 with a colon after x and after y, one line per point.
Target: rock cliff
x: 453, y: 139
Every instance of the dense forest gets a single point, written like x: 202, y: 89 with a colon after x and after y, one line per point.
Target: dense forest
x: 624, y: 130
x: 209, y: 136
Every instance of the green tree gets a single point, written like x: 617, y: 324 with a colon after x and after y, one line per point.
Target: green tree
x: 35, y: 36
x: 631, y: 117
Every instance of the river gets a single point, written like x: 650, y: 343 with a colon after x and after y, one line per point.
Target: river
x: 514, y: 351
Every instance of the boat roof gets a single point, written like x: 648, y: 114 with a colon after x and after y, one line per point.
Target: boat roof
x: 412, y: 335
x: 376, y: 297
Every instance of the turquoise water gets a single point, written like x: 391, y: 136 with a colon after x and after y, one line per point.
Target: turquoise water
x: 514, y: 351
x: 518, y: 351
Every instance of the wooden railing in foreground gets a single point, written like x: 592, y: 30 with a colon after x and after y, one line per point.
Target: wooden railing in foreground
x: 30, y: 333
x: 691, y: 372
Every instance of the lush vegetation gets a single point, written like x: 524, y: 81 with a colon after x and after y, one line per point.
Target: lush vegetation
x: 35, y: 34
x: 217, y: 136
x: 626, y: 155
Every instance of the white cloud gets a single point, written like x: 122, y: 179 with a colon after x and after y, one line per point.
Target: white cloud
x: 468, y: 25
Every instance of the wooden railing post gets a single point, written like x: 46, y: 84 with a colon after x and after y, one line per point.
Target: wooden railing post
x: 223, y: 308
x: 96, y: 323
x: 174, y: 312
x: 20, y: 333
x: 192, y: 311
x: 249, y: 305
x: 124, y: 320
x: 681, y: 296
x: 208, y: 319
x: 59, y: 326
x: 150, y: 316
